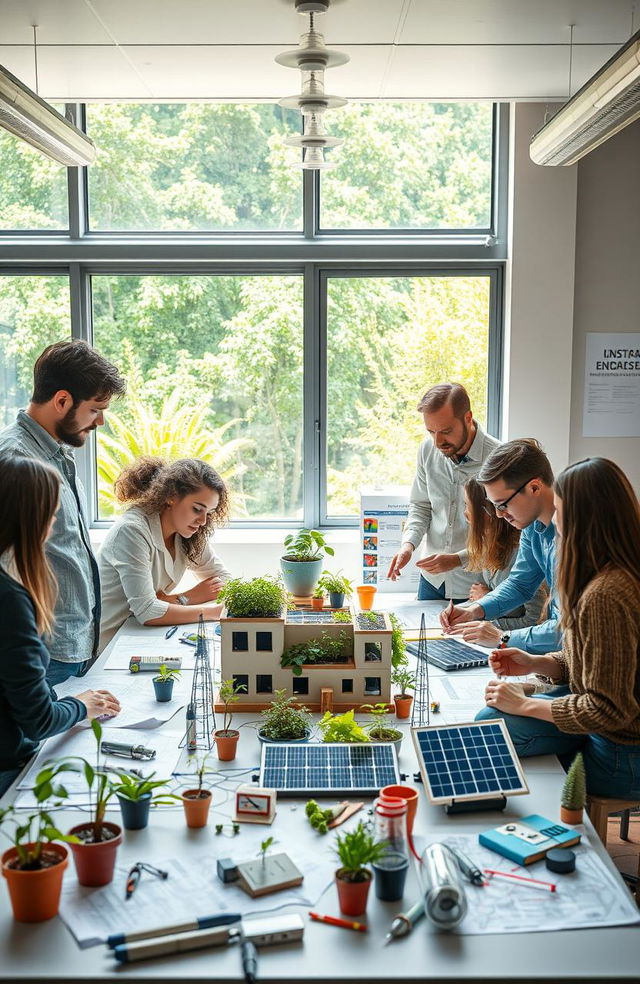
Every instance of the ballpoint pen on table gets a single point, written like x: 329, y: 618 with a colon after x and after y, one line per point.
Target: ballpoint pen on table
x: 526, y: 882
x: 404, y: 922
x: 135, y: 874
x: 335, y: 921
x: 171, y: 631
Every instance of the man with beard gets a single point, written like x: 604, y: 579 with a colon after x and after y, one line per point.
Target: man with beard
x: 452, y: 453
x: 73, y: 386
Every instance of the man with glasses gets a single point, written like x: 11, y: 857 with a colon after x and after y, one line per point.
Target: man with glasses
x: 452, y: 453
x: 518, y: 482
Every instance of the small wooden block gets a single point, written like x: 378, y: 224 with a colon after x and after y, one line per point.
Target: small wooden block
x: 269, y: 874
x: 326, y: 699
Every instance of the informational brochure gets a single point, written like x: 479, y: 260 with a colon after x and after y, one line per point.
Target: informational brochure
x: 383, y: 515
x: 612, y: 385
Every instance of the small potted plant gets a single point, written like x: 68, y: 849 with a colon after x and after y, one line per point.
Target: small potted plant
x: 97, y: 839
x: 196, y: 801
x: 301, y: 562
x: 574, y: 792
x: 260, y: 597
x: 34, y: 866
x: 135, y: 795
x: 402, y: 678
x: 337, y: 587
x: 284, y: 720
x: 356, y: 849
x: 342, y: 727
x: 378, y: 728
x: 226, y: 738
x: 163, y: 683
x: 317, y: 599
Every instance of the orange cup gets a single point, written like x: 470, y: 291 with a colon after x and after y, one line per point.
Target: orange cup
x: 409, y: 795
x: 366, y: 594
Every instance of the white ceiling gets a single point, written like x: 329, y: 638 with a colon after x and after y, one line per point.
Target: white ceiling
x: 225, y: 49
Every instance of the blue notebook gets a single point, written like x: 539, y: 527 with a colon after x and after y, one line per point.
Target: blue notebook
x: 527, y: 840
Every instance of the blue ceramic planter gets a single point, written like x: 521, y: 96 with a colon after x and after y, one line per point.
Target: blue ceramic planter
x: 301, y: 576
x: 135, y: 813
x: 336, y: 599
x: 164, y: 690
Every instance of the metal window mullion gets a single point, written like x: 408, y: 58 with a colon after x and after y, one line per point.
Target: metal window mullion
x: 81, y: 328
x: 312, y: 427
x: 77, y: 180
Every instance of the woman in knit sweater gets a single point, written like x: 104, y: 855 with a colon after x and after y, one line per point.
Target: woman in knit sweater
x: 598, y: 521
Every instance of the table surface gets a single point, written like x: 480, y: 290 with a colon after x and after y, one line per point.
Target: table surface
x: 48, y: 951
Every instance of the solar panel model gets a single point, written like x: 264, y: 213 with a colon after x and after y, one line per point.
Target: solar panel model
x: 449, y: 654
x: 471, y: 766
x: 327, y: 768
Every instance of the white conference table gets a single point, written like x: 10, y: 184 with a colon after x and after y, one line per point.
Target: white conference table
x: 47, y: 951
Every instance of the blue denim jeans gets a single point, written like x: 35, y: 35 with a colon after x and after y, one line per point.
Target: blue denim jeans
x: 612, y: 769
x: 427, y: 592
x: 58, y: 672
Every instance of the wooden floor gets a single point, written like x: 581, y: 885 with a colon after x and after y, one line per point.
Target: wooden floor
x: 625, y: 854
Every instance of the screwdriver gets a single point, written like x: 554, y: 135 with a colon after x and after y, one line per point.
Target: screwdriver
x: 404, y: 922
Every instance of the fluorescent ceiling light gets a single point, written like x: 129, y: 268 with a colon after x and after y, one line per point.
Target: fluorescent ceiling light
x: 30, y: 118
x: 604, y: 106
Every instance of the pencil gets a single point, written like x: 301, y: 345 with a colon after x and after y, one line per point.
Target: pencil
x: 533, y: 882
x: 334, y: 921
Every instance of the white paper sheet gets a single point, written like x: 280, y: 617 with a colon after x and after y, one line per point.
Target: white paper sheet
x: 149, y: 640
x: 140, y: 709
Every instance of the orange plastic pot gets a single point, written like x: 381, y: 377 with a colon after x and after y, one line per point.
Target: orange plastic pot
x: 317, y: 604
x: 226, y: 744
x: 570, y: 816
x: 35, y: 895
x: 196, y: 807
x: 403, y: 705
x: 366, y: 594
x: 409, y: 795
x: 353, y: 895
x: 95, y: 862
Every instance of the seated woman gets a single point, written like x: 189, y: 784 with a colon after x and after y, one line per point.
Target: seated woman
x: 598, y: 521
x: 492, y: 545
x: 29, y: 709
x: 166, y: 531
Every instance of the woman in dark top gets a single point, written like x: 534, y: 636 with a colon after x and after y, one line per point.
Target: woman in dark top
x: 29, y: 709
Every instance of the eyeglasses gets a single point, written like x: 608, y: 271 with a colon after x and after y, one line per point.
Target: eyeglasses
x: 495, y: 508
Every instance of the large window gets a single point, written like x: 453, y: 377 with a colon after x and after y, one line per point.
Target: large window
x: 33, y: 188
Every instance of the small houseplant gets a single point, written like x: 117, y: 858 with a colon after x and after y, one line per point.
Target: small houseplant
x: 163, y: 683
x: 260, y: 597
x: 135, y: 795
x: 317, y: 598
x: 301, y: 562
x: 342, y: 727
x: 196, y: 801
x: 34, y: 866
x: 284, y: 721
x: 337, y: 587
x: 226, y: 738
x: 356, y: 849
x: 574, y: 792
x: 379, y: 728
x: 402, y: 678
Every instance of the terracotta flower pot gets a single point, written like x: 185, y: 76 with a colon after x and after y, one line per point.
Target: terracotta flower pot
x: 570, y: 816
x: 352, y: 895
x: 35, y: 895
x: 403, y: 704
x: 317, y: 604
x: 226, y: 744
x: 196, y: 806
x: 95, y: 862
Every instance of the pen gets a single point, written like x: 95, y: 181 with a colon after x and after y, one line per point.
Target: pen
x: 529, y: 881
x: 176, y: 943
x: 470, y: 870
x: 249, y: 961
x: 127, y: 751
x: 334, y: 921
x: 404, y: 922
x: 171, y: 631
x: 200, y: 922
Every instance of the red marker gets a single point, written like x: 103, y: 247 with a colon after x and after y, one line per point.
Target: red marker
x: 530, y: 881
x: 334, y: 921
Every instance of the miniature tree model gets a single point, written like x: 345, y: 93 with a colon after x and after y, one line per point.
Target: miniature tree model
x: 574, y: 792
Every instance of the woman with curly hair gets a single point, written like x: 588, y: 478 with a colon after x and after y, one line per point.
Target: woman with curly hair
x: 175, y: 506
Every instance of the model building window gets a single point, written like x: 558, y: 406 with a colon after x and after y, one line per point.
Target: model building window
x: 372, y: 685
x: 264, y: 683
x: 240, y: 642
x: 264, y: 642
x: 301, y: 685
x: 241, y: 680
x: 372, y: 652
x: 347, y: 686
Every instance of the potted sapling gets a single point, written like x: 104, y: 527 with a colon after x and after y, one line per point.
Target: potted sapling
x: 163, y: 683
x: 356, y: 849
x: 35, y: 865
x: 574, y: 792
x: 404, y: 680
x: 284, y: 720
x: 317, y: 599
x: 379, y: 728
x: 196, y: 801
x: 301, y: 562
x: 136, y: 794
x: 337, y: 587
x: 226, y: 738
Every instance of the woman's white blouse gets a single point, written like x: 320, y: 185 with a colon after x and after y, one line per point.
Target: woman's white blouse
x: 135, y: 563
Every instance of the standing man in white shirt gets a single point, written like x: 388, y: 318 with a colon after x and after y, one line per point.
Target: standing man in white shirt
x: 452, y: 453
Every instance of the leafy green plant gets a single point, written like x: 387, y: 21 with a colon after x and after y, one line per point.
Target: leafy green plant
x: 229, y: 694
x: 305, y: 545
x: 318, y: 591
x: 201, y: 768
x: 319, y: 819
x: 342, y: 727
x: 356, y: 849
x: 283, y: 721
x: 398, y: 646
x: 265, y: 846
x: 379, y: 728
x: 404, y: 680
x: 371, y: 617
x: 335, y: 584
x: 98, y: 784
x: 261, y: 597
x: 32, y: 832
x: 574, y: 790
x: 134, y: 788
x: 326, y: 649
x: 166, y: 673
x: 342, y: 617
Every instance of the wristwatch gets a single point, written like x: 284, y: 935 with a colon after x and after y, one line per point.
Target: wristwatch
x: 182, y: 599
x: 504, y: 640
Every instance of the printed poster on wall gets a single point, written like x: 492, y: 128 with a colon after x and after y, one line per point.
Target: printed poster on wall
x: 612, y: 385
x: 383, y: 515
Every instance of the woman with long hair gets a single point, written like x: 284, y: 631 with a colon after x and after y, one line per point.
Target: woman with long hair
x: 29, y: 708
x: 174, y: 509
x: 492, y: 545
x: 598, y: 582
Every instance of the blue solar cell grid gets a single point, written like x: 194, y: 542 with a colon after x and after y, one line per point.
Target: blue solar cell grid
x: 469, y: 761
x: 328, y: 768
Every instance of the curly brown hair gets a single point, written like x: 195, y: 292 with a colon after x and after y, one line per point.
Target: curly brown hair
x: 490, y: 541
x: 150, y: 482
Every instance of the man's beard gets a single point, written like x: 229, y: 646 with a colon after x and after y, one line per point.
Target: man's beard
x: 452, y: 450
x: 66, y: 432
